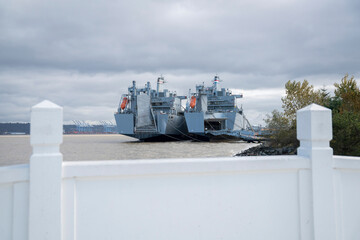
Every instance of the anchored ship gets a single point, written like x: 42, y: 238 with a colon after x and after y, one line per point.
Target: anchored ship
x: 213, y: 114
x: 151, y: 115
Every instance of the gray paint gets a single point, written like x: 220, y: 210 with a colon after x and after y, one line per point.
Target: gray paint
x: 195, y: 122
x: 216, y: 114
x: 157, y: 113
x: 125, y: 123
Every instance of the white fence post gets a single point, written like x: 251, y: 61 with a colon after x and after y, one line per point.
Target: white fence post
x: 45, y: 172
x: 314, y: 130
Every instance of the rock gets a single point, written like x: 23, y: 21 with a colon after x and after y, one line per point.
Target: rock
x: 262, y: 150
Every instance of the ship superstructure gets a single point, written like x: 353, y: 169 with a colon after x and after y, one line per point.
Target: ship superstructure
x: 149, y: 114
x: 213, y: 113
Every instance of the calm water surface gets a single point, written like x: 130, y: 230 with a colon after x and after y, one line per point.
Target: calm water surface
x: 17, y: 150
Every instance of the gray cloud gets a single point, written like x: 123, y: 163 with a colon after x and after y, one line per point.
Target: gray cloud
x: 83, y: 55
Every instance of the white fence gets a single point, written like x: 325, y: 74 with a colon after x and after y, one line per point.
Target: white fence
x: 314, y: 195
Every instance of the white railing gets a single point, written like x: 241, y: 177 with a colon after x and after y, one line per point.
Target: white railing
x: 314, y: 195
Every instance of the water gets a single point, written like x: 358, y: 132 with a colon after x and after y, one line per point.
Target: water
x: 17, y: 150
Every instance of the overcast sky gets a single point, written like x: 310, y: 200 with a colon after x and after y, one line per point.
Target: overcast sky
x: 83, y: 55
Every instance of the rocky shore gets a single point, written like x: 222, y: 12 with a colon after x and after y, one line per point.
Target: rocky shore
x: 263, y: 150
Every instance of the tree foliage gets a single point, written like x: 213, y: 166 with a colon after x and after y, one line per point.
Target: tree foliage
x: 282, y: 129
x: 346, y: 133
x: 299, y: 95
x: 347, y: 93
x: 283, y: 124
x: 345, y: 106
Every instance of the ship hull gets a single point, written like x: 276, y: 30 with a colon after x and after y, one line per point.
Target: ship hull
x: 153, y: 137
x: 225, y: 136
x: 167, y: 127
x: 218, y: 126
x: 221, y: 137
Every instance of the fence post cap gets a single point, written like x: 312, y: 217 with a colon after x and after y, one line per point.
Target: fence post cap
x: 46, y: 104
x: 313, y: 107
x: 314, y: 123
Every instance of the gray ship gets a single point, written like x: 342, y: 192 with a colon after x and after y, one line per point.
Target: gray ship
x: 151, y: 115
x: 213, y: 114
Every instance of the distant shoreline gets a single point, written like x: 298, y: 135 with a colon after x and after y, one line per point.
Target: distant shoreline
x: 70, y: 135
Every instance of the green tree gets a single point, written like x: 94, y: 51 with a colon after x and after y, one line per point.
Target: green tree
x: 346, y: 133
x: 282, y: 130
x: 347, y: 93
x: 345, y: 107
x: 298, y: 95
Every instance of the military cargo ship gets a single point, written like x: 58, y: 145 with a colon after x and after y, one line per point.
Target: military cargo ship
x: 213, y: 114
x: 151, y: 115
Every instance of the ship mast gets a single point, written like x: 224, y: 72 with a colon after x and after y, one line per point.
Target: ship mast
x: 216, y: 82
x: 160, y: 81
